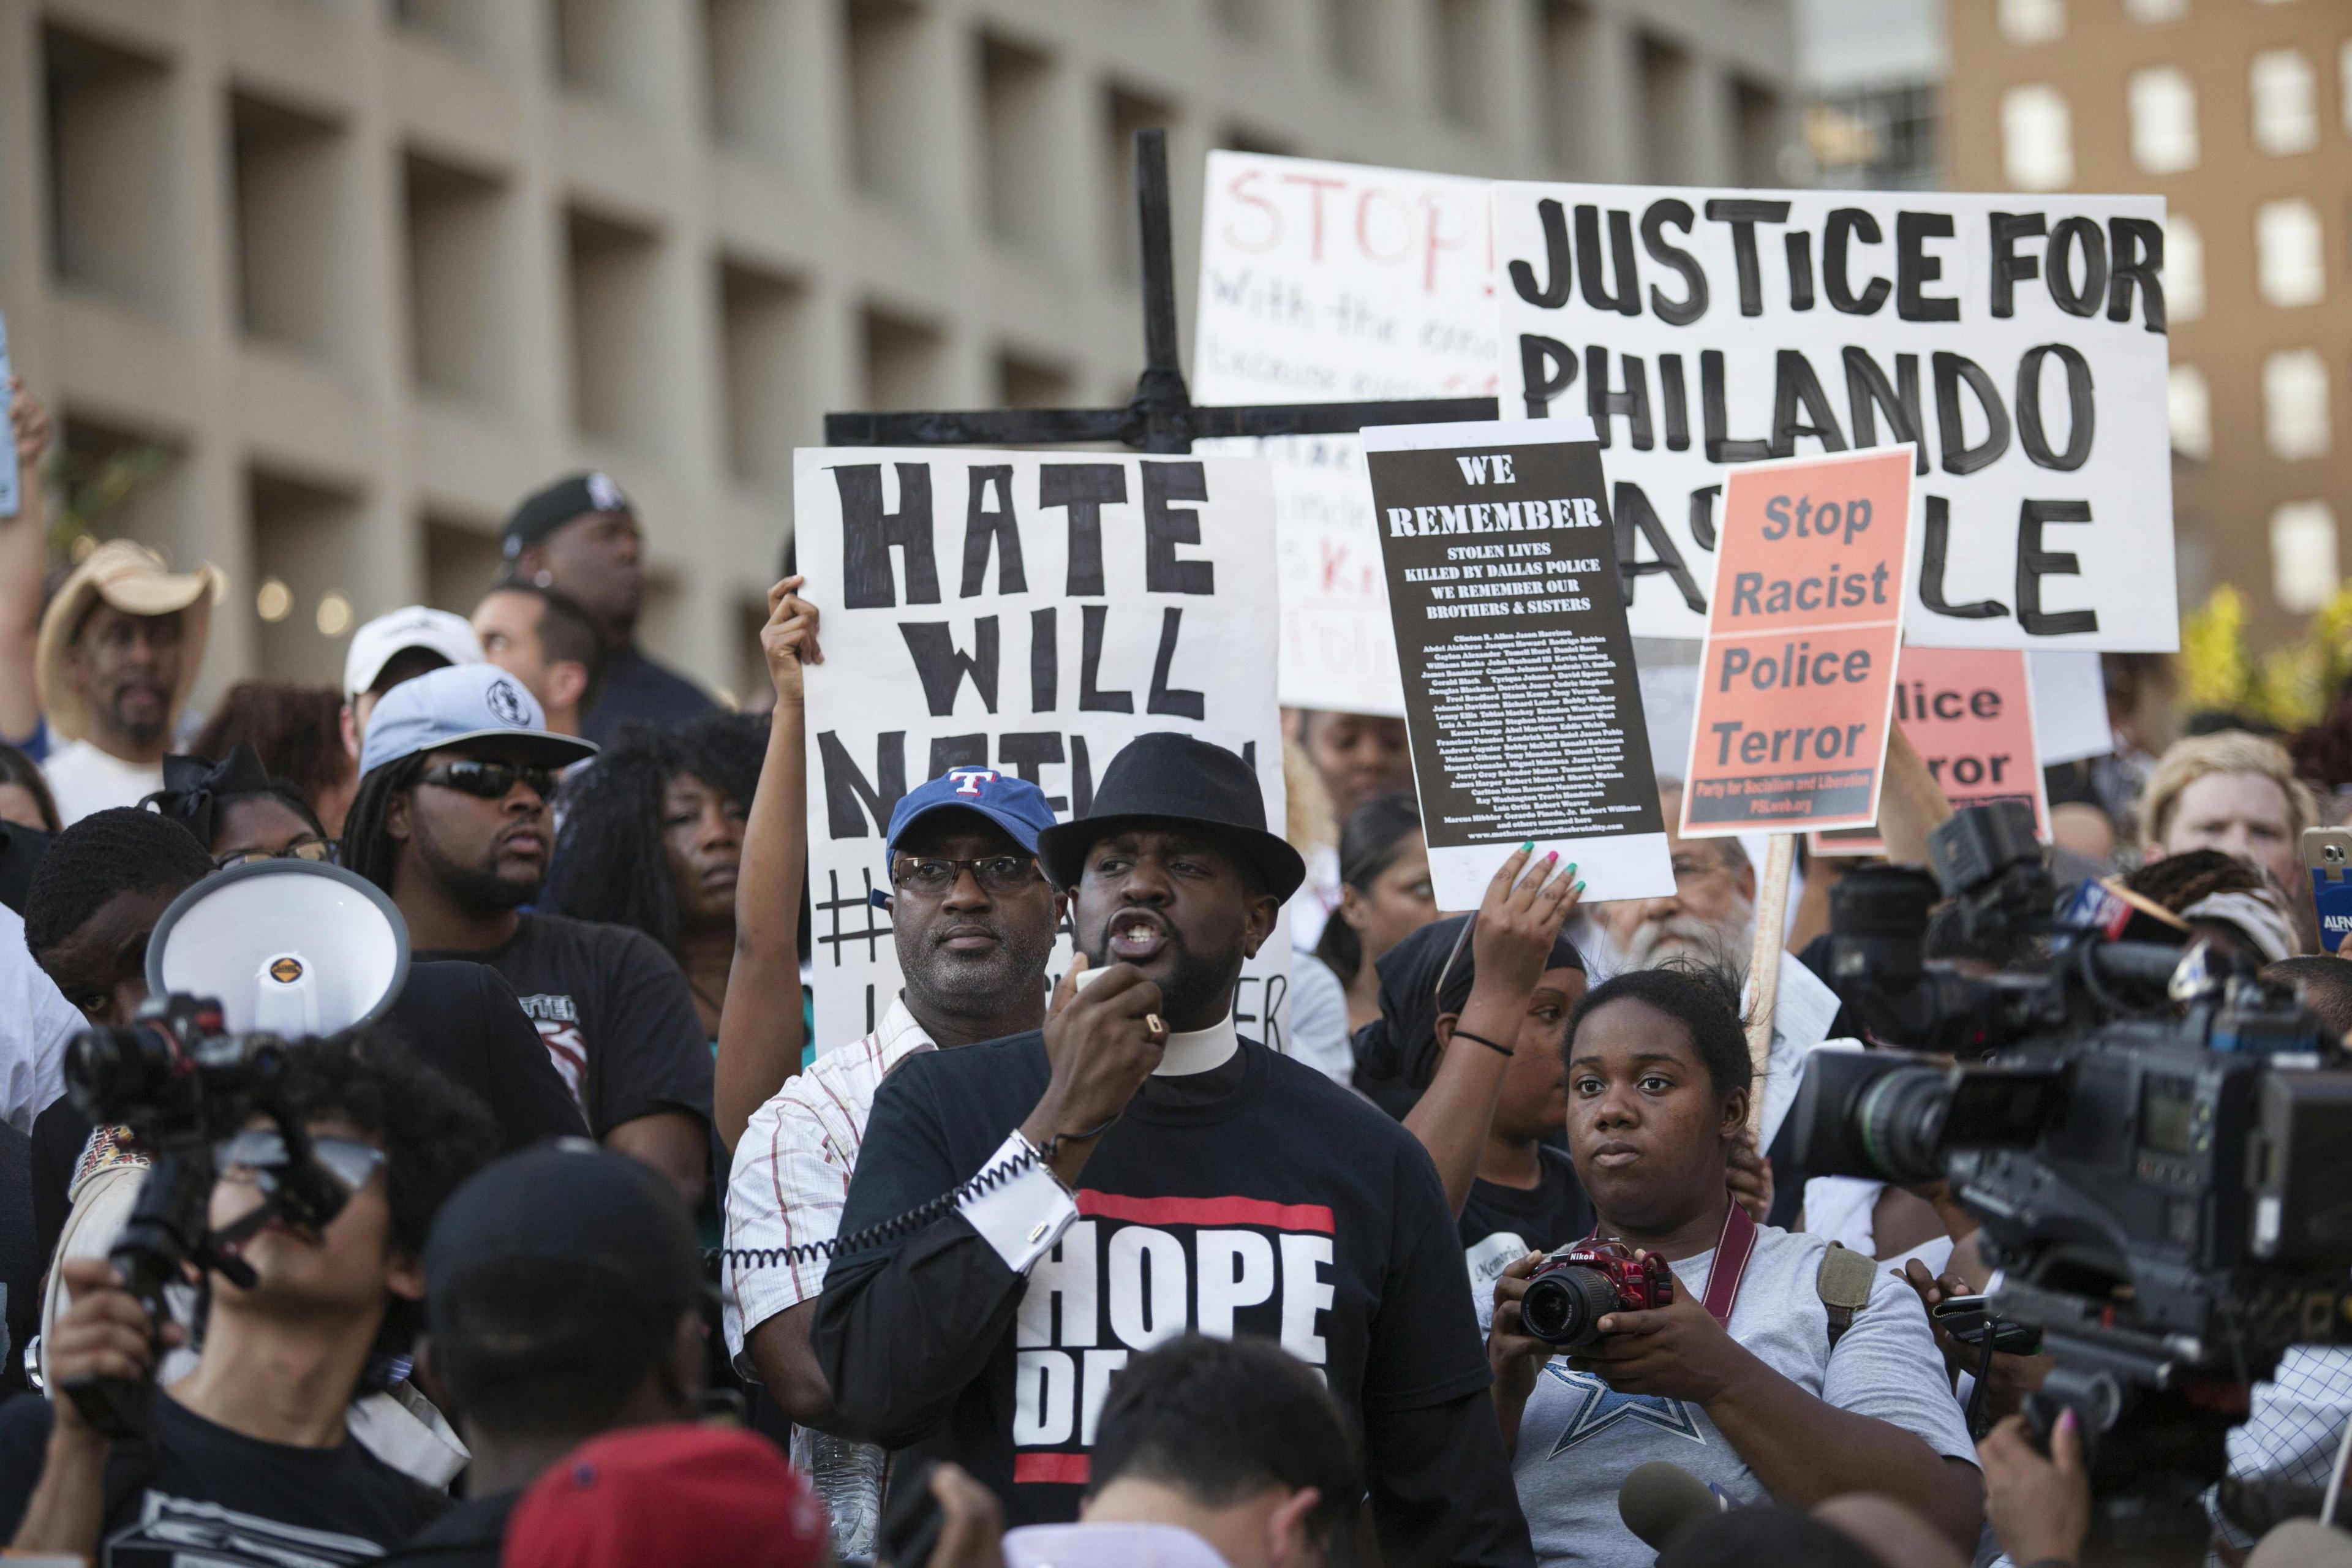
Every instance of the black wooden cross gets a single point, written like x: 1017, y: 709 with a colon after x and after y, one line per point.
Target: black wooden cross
x: 1161, y: 416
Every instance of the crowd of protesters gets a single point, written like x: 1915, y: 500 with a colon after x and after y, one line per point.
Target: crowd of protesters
x: 1206, y: 1301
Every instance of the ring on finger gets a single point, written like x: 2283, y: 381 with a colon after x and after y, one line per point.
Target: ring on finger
x: 1155, y: 1025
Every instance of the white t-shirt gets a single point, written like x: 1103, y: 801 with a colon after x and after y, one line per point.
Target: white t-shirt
x: 85, y: 779
x: 36, y: 1024
x: 1580, y: 1438
x: 1318, y: 1019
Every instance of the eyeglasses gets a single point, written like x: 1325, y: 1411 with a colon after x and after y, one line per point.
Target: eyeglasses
x: 492, y: 781
x: 259, y: 1153
x: 316, y: 850
x: 994, y: 873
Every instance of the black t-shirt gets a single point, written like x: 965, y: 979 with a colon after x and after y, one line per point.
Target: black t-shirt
x: 470, y: 1535
x: 639, y: 692
x: 615, y: 1013
x: 1500, y: 1224
x: 456, y: 1015
x: 1282, y: 1206
x: 197, y: 1493
x: 21, y: 849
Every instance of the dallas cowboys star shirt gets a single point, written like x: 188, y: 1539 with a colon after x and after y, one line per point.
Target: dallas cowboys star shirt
x: 1580, y: 1438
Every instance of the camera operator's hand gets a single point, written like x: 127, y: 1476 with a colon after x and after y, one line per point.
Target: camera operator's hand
x: 105, y: 1334
x: 2040, y: 1507
x: 1103, y: 1041
x: 971, y: 1524
x: 1751, y: 1178
x: 2011, y: 1378
x: 1677, y: 1351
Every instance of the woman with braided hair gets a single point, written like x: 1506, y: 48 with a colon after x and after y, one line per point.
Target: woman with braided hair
x: 650, y: 836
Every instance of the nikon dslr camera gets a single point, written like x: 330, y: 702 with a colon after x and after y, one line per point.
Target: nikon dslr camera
x: 1573, y: 1289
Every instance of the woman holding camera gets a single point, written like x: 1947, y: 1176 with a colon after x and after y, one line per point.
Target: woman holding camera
x: 1736, y: 1379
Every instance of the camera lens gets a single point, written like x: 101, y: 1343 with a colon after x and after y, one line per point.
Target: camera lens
x: 1900, y: 1119
x: 110, y: 1070
x: 1564, y: 1306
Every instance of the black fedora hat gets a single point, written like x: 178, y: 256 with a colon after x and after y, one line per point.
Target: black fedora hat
x: 1169, y: 777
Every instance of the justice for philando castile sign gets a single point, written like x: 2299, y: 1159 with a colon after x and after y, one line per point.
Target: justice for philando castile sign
x: 2018, y: 340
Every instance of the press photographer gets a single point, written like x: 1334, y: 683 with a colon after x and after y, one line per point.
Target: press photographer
x: 1753, y: 1374
x: 250, y: 1455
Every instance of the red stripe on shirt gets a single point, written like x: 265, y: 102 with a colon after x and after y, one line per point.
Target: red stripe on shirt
x: 1056, y: 1470
x: 1206, y: 1210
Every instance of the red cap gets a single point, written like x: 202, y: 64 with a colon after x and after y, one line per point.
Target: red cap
x: 668, y: 1497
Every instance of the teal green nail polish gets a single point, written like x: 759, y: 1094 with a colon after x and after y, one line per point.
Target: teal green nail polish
x: 1528, y: 847
x: 1579, y: 888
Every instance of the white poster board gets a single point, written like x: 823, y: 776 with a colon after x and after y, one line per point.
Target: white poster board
x: 2019, y: 339
x: 1337, y: 283
x: 1030, y: 612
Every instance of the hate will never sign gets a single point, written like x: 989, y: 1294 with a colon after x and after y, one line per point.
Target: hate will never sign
x: 1028, y: 612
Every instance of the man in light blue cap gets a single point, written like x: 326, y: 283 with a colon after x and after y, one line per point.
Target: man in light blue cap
x: 456, y: 774
x: 974, y: 920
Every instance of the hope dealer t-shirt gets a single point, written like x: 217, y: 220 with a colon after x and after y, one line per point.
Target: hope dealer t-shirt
x: 615, y: 1013
x: 1256, y: 1199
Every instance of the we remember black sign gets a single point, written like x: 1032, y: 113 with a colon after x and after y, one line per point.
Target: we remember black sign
x: 1519, y: 689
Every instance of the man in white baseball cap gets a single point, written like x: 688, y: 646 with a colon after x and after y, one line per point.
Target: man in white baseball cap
x: 452, y: 820
x: 398, y: 645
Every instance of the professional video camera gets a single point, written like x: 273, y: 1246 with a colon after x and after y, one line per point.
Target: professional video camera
x: 181, y: 1084
x: 2157, y: 1143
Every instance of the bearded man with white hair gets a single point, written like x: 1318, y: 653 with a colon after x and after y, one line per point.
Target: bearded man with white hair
x: 1709, y: 917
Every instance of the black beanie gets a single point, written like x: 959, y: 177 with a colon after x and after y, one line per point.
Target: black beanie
x: 540, y: 514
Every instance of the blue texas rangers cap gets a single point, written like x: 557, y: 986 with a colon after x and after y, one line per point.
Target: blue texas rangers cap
x: 1012, y: 804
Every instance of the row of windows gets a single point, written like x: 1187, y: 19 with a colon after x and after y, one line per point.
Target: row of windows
x: 2304, y: 575
x: 2296, y: 424
x: 2029, y: 22
x: 2037, y: 125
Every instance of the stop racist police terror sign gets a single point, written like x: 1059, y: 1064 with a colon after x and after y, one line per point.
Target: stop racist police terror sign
x: 1797, y: 675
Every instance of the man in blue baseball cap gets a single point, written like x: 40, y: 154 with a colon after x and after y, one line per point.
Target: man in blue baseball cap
x: 452, y: 819
x: 975, y: 919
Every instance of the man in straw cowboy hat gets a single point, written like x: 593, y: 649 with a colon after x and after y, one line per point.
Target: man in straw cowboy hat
x: 119, y: 650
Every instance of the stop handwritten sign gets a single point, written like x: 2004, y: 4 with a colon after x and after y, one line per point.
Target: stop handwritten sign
x: 1797, y: 680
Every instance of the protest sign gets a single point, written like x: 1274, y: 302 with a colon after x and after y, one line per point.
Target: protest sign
x: 2070, y: 706
x: 9, y: 479
x: 2017, y: 340
x: 1031, y: 612
x: 1328, y: 282
x: 1968, y: 712
x: 1797, y: 678
x: 1520, y: 695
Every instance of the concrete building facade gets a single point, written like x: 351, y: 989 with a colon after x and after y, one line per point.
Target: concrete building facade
x: 352, y: 276
x: 2238, y: 113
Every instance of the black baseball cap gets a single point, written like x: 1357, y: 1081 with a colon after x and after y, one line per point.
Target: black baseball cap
x: 567, y: 1203
x: 544, y: 511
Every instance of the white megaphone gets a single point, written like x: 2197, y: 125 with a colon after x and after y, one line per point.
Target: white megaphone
x: 291, y: 948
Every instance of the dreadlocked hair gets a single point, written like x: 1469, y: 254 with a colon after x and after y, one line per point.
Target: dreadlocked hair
x: 121, y: 850
x: 366, y: 848
x: 2179, y: 880
x: 609, y: 863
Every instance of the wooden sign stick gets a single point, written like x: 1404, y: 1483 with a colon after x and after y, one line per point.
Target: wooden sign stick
x: 1764, y: 963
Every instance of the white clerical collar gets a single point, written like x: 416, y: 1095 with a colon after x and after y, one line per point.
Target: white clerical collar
x: 1200, y: 1051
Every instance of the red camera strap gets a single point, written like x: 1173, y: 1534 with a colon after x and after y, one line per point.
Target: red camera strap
x: 1732, y: 1250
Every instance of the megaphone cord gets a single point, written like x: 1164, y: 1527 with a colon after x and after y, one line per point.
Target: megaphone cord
x: 904, y: 1224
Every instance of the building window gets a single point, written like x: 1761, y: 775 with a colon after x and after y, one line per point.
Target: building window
x: 2155, y: 10
x: 2291, y: 252
x: 2294, y: 404
x: 2033, y: 21
x: 2184, y: 268
x: 2287, y: 111
x: 2344, y: 70
x: 2037, y: 138
x: 2163, y: 120
x: 2303, y: 556
x: 2190, y: 407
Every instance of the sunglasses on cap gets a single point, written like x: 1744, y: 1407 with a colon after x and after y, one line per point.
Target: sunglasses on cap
x: 318, y: 851
x: 492, y: 781
x: 257, y: 1154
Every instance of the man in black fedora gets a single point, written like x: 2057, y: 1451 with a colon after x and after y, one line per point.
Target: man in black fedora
x: 1145, y: 1172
